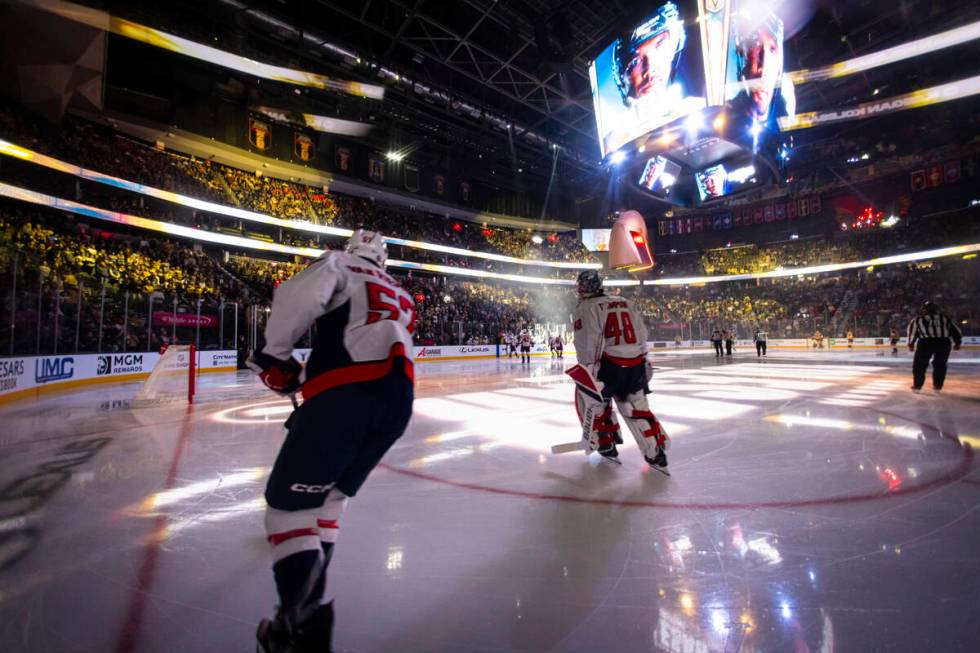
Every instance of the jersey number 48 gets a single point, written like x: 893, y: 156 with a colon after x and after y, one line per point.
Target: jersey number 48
x: 619, y: 326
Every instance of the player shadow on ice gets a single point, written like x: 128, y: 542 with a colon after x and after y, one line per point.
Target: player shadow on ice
x: 552, y: 593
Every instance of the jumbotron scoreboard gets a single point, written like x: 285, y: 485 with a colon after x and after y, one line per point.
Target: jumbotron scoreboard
x: 688, y: 102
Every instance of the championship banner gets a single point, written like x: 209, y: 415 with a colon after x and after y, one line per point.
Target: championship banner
x: 439, y: 185
x: 342, y: 158
x: 661, y: 227
x: 412, y: 178
x: 302, y: 146
x: 815, y: 207
x: 376, y: 170
x: 699, y: 224
x: 464, y: 191
x: 768, y: 213
x: 259, y: 134
x: 791, y: 210
x: 757, y: 216
x: 934, y: 175
x: 780, y: 211
x: 951, y: 171
x: 804, y: 207
x: 726, y: 220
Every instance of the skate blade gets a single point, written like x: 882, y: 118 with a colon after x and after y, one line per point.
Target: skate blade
x: 612, y: 460
x: 662, y: 470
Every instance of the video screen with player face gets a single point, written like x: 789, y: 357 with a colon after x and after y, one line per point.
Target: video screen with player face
x: 659, y: 175
x: 756, y: 88
x: 648, y: 77
x: 718, y: 181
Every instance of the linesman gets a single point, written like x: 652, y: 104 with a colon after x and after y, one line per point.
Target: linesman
x: 929, y: 336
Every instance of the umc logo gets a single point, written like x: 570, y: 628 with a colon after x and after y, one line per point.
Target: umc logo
x: 54, y: 369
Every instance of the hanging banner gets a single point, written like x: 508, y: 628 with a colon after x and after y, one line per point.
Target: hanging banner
x: 259, y: 134
x: 412, y: 178
x: 342, y: 158
x: 376, y: 170
x: 464, y: 191
x: 951, y: 171
x: 439, y: 185
x: 302, y: 147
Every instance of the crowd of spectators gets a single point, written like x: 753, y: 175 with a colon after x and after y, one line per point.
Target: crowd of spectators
x: 100, y: 148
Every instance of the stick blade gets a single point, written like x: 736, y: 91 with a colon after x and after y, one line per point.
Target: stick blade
x: 568, y: 447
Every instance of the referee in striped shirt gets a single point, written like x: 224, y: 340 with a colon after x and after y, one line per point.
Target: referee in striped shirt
x: 929, y: 336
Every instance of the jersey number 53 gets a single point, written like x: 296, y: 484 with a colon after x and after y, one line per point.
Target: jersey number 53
x: 384, y: 303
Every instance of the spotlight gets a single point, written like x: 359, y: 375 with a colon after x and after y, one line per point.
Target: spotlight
x: 617, y: 157
x: 719, y: 122
x: 395, y: 156
x: 693, y: 124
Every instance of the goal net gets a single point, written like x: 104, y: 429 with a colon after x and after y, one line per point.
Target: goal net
x: 172, y: 378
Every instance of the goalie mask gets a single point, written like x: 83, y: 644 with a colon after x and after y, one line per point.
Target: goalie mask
x: 368, y: 244
x: 588, y: 284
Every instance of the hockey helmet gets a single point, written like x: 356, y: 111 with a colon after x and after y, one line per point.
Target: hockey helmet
x: 666, y: 19
x: 368, y: 244
x: 589, y: 284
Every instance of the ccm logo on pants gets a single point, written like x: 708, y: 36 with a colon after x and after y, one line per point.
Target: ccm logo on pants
x: 310, y: 489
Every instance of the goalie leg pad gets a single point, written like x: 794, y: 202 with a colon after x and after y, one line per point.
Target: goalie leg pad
x: 643, y: 424
x: 602, y: 430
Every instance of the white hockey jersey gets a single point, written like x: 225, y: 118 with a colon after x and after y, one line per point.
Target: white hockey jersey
x: 609, y: 326
x: 364, y: 321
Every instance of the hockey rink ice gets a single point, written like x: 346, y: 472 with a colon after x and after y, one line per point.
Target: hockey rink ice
x: 816, y: 504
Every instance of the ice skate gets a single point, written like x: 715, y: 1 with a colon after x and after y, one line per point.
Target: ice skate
x: 313, y: 636
x: 658, y: 462
x: 610, y: 453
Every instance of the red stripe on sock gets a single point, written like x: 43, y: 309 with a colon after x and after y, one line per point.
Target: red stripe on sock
x: 327, y: 523
x: 275, y: 539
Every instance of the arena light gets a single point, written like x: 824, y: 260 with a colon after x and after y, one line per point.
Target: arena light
x: 926, y: 255
x: 160, y: 39
x: 319, y: 123
x: 916, y: 99
x: 200, y: 235
x: 16, y: 151
x: 617, y: 157
x: 891, y: 55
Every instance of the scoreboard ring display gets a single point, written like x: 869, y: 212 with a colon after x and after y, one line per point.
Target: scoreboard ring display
x: 688, y: 101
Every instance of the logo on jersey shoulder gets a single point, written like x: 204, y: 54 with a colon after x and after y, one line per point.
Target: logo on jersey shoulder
x: 310, y: 489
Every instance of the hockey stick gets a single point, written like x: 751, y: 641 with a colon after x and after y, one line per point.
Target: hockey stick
x: 581, y: 445
x: 568, y: 447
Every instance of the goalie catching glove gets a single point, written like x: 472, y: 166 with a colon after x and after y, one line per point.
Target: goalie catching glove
x: 280, y: 376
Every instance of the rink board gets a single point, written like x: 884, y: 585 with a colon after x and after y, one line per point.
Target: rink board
x: 30, y: 376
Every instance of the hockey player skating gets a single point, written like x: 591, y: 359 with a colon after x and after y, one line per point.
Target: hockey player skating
x: 526, y: 343
x: 511, y: 345
x: 559, y: 346
x: 358, y: 392
x: 610, y: 344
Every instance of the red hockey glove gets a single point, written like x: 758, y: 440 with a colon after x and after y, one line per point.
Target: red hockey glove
x: 280, y: 376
